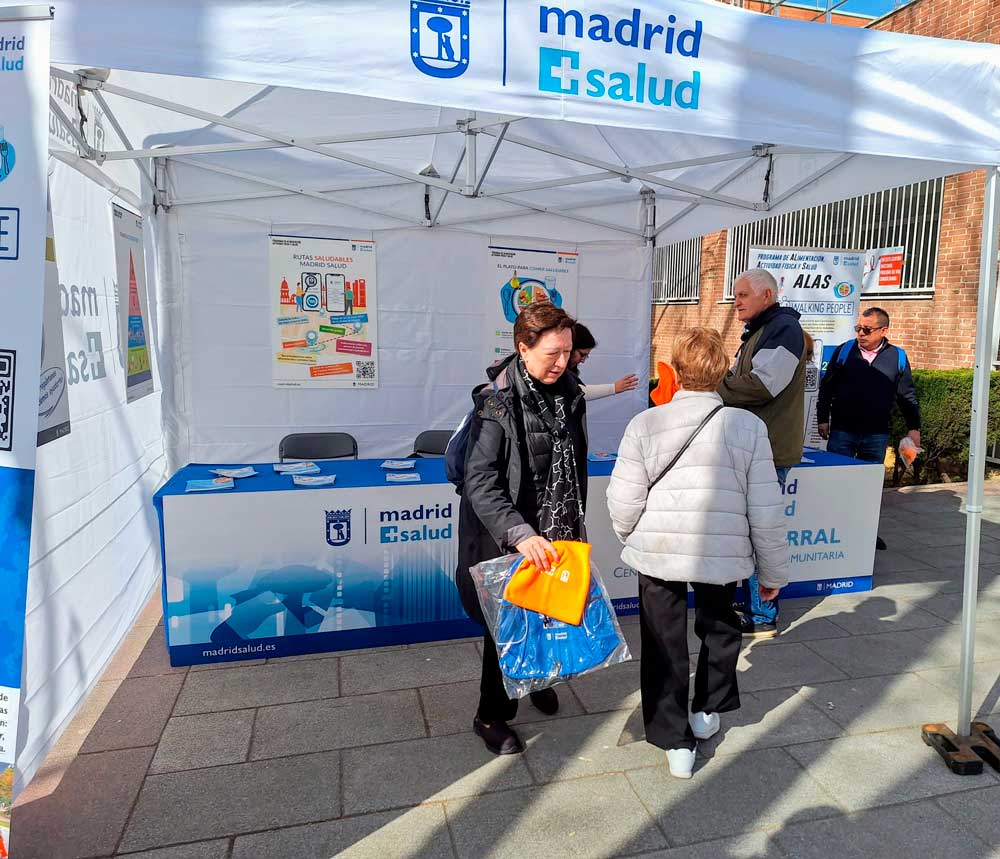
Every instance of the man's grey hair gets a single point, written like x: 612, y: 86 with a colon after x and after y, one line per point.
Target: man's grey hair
x: 759, y: 280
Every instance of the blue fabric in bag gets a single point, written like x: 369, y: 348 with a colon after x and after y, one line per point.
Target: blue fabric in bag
x: 532, y: 646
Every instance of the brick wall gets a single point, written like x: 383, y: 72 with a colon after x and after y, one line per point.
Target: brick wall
x: 937, y: 333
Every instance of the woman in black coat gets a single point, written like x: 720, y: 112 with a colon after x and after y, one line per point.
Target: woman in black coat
x: 525, y: 484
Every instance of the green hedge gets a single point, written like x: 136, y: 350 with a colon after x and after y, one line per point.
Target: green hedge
x: 945, y: 398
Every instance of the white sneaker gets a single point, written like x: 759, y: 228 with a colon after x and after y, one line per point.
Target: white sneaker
x: 704, y: 725
x: 681, y: 762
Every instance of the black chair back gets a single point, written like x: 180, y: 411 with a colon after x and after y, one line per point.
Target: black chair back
x: 318, y: 445
x: 431, y: 443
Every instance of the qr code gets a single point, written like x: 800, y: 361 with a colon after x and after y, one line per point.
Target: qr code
x: 7, y: 361
x: 364, y: 369
x: 812, y: 377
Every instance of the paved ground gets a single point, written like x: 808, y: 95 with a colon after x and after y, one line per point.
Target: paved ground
x: 370, y: 754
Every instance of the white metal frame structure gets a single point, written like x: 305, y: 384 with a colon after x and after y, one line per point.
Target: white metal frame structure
x: 881, y: 110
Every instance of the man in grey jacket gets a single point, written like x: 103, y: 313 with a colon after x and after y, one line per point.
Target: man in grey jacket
x: 768, y: 379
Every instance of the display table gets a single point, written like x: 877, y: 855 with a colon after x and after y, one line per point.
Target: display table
x: 272, y: 569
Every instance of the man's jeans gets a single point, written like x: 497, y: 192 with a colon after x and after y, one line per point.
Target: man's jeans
x: 758, y: 610
x: 868, y: 447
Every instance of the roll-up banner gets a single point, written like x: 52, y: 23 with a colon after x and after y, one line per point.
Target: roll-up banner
x: 24, y: 116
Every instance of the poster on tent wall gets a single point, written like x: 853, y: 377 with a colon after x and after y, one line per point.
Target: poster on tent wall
x: 883, y: 269
x: 24, y: 60
x: 519, y: 277
x: 824, y: 287
x: 324, y: 312
x: 133, y: 313
x: 53, y: 396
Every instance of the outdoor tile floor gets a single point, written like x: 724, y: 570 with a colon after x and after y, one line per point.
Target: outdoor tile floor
x: 371, y: 754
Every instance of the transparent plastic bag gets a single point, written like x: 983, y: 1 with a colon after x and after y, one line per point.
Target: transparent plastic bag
x: 908, y: 451
x: 535, y: 651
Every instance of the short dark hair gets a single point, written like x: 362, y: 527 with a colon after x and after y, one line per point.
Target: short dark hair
x: 537, y: 319
x: 881, y: 317
x: 582, y: 338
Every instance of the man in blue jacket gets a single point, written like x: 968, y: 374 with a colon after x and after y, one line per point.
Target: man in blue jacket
x: 863, y: 380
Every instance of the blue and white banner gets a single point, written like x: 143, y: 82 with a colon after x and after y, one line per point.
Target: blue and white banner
x: 825, y: 287
x: 24, y: 84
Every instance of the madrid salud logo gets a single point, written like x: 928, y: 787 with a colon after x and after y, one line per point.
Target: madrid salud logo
x: 439, y: 37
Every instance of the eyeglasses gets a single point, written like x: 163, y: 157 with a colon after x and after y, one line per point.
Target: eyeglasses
x: 864, y: 329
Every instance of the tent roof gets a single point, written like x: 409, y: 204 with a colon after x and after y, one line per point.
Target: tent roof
x: 333, y: 121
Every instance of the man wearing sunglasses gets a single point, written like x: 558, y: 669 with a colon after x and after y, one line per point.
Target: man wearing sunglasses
x: 863, y: 380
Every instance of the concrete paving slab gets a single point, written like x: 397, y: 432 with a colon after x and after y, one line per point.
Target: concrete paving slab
x: 86, y: 814
x: 588, y: 818
x: 584, y: 746
x: 884, y: 653
x: 949, y: 607
x: 731, y: 796
x: 801, y: 624
x: 427, y: 770
x: 143, y: 653
x: 882, y: 769
x: 877, y: 614
x: 407, y: 669
x: 985, y: 686
x: 867, y: 705
x: 257, y: 686
x: 199, y: 850
x: 417, y: 833
x: 450, y: 708
x: 948, y: 639
x: 136, y: 714
x: 199, y: 805
x: 780, y: 666
x: 915, y: 829
x: 769, y: 719
x: 976, y: 811
x: 897, y: 562
x: 615, y: 688
x: 223, y: 666
x: 337, y: 723
x: 756, y: 845
x: 207, y: 740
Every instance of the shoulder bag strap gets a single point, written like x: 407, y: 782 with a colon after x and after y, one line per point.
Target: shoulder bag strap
x: 676, y: 457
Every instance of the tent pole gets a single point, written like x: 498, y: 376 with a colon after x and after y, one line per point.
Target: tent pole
x: 975, y: 742
x: 977, y: 440
x: 470, y: 156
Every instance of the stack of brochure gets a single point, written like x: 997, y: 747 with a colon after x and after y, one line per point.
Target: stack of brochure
x: 296, y: 468
x: 402, y: 477
x: 210, y: 485
x: 246, y: 471
x: 399, y: 464
x: 314, y: 480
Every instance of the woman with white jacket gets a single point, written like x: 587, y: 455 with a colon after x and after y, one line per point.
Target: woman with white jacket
x: 714, y: 511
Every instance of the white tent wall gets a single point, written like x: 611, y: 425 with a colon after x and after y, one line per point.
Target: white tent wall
x: 433, y: 291
x: 94, y: 548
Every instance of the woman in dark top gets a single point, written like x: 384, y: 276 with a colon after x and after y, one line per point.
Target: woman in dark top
x: 525, y: 484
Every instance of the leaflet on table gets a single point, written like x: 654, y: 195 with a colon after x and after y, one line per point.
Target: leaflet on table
x: 602, y: 457
x: 210, y: 485
x: 308, y: 480
x: 324, y: 312
x: 296, y: 468
x: 234, y: 472
x: 402, y: 477
x: 399, y: 464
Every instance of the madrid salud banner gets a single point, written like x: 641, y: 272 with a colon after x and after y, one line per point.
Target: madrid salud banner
x: 24, y: 83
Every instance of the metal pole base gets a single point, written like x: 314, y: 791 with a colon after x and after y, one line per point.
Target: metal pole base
x: 964, y: 755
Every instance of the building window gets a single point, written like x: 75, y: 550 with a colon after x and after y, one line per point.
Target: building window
x: 907, y: 217
x: 677, y: 272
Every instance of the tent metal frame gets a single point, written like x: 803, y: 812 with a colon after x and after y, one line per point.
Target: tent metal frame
x: 971, y: 738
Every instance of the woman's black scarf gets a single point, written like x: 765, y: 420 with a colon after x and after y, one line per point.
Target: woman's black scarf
x: 561, y: 514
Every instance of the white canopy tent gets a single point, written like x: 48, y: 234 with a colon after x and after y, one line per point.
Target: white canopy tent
x: 533, y: 120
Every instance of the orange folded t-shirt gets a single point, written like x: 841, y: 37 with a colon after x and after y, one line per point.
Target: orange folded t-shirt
x: 561, y: 592
x: 667, y: 386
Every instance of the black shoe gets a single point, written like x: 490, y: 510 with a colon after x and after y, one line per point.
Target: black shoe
x: 500, y: 738
x: 757, y: 630
x: 880, y: 544
x: 545, y: 701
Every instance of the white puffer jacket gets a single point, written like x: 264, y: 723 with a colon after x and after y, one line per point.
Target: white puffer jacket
x: 718, y: 507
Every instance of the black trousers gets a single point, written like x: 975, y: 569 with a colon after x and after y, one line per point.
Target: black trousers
x: 664, y: 666
x: 494, y: 705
